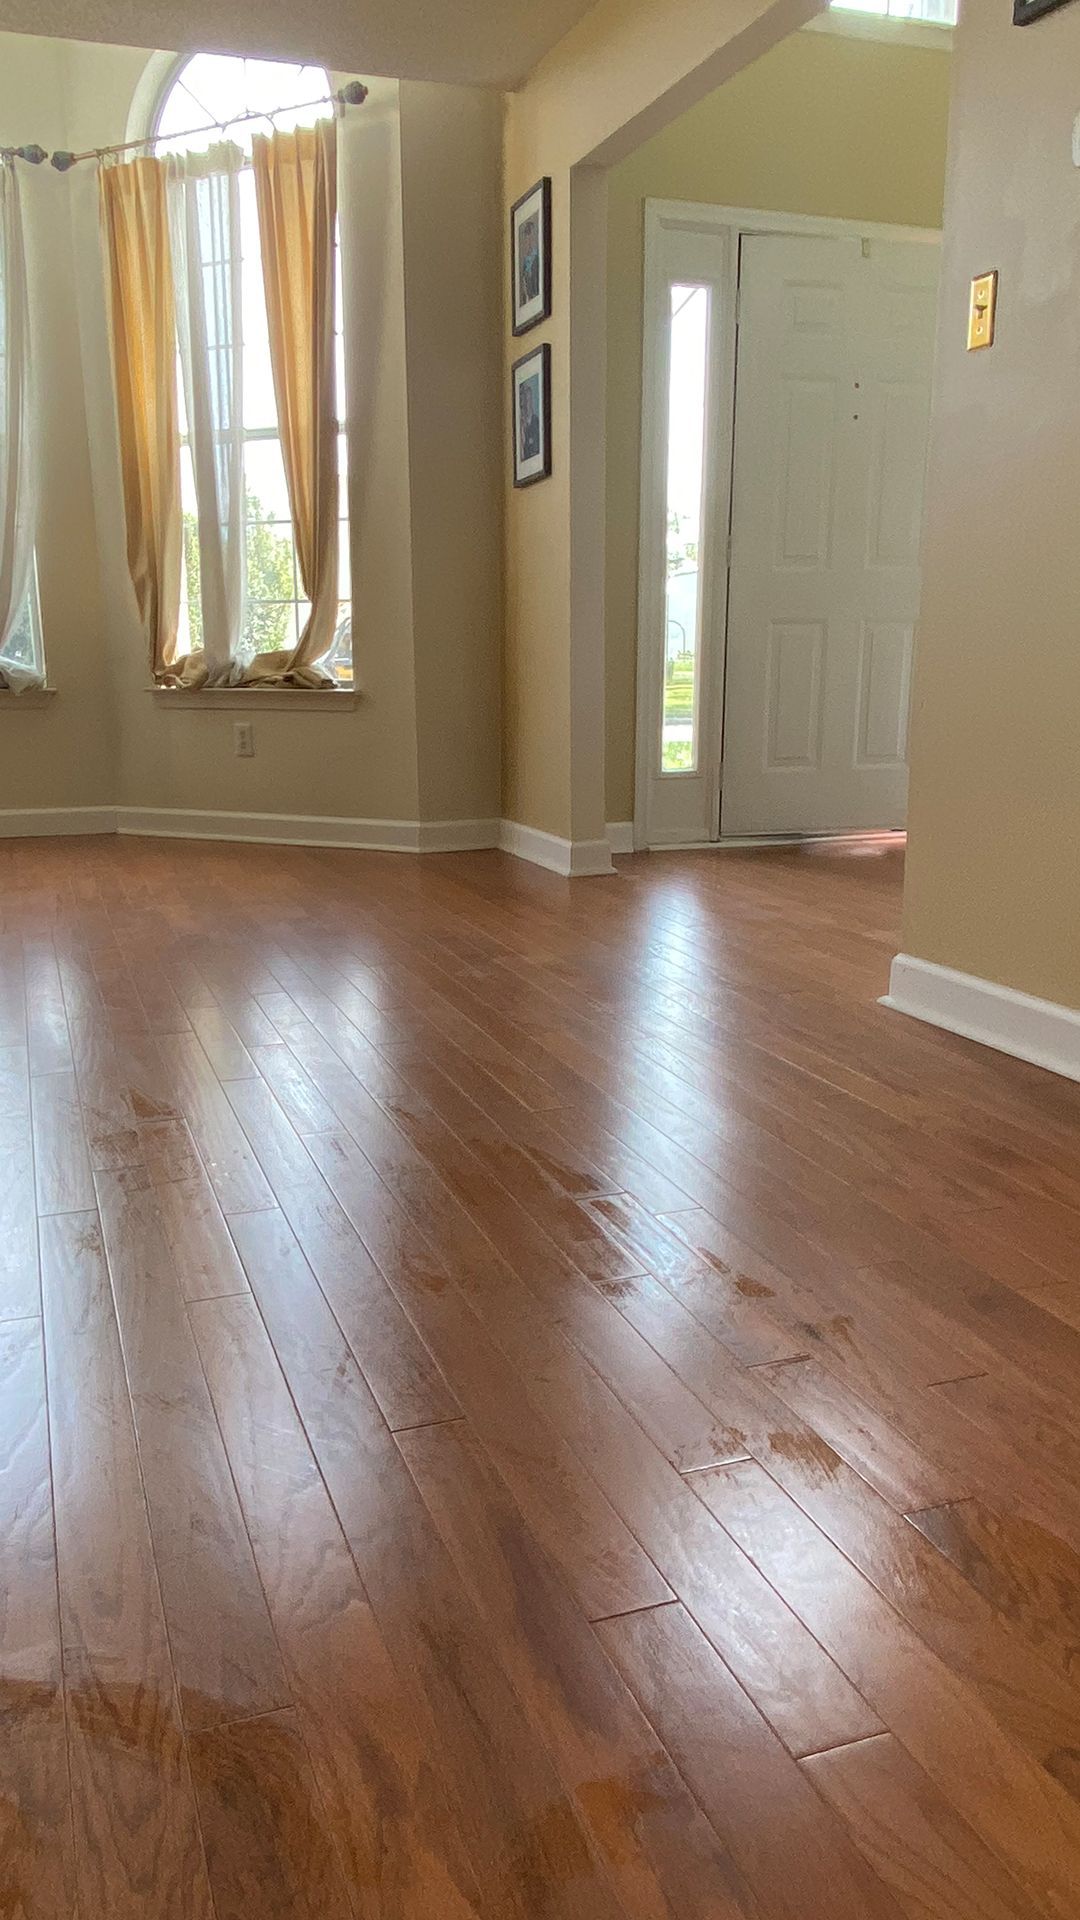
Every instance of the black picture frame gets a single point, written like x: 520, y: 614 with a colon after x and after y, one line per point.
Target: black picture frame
x: 1025, y: 11
x: 530, y: 276
x: 532, y: 374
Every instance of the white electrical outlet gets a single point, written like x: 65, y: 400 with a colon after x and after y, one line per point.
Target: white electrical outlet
x: 244, y: 739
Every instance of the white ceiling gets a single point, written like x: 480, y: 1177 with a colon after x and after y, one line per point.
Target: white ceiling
x: 479, y: 42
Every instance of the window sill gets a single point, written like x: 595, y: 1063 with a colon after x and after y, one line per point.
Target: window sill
x: 291, y: 699
x: 35, y: 697
x: 888, y: 27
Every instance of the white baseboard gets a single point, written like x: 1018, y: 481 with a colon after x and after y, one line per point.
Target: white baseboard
x: 576, y: 858
x: 275, y: 829
x: 1040, y: 1031
x: 309, y: 830
x: 458, y: 836
x: 620, y: 835
x: 571, y: 858
x: 19, y: 823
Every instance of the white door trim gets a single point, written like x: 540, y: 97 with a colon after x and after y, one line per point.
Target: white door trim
x: 667, y: 222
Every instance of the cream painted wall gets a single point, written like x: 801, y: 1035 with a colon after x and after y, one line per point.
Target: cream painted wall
x: 849, y: 128
x: 63, y: 752
x: 423, y: 661
x: 992, y: 885
x: 451, y: 144
x: 616, y: 78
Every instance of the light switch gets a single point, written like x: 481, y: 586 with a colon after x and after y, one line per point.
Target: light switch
x: 982, y: 311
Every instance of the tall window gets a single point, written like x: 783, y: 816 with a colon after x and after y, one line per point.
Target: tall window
x: 936, y: 13
x: 208, y: 89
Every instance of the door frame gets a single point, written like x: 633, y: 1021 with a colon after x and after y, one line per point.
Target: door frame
x: 671, y: 229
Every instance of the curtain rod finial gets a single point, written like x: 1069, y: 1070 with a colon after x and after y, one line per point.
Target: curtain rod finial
x: 35, y: 155
x: 63, y: 161
x: 354, y: 94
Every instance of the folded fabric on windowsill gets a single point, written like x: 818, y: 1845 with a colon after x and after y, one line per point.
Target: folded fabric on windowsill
x: 18, y: 679
x: 277, y: 669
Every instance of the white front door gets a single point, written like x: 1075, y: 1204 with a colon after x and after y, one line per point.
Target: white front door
x: 835, y: 350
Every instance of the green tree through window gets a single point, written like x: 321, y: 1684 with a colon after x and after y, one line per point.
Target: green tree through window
x: 270, y: 582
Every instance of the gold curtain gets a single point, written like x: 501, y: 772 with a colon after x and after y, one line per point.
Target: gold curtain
x: 296, y: 193
x: 143, y: 336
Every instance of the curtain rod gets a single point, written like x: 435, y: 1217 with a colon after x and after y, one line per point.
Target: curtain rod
x: 353, y: 94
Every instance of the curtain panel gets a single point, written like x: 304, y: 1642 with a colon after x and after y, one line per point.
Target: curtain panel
x: 296, y: 193
x: 18, y: 490
x: 204, y: 224
x: 135, y: 218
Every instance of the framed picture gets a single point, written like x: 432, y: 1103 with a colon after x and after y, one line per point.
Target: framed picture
x: 530, y: 385
x: 1024, y: 11
x: 530, y: 256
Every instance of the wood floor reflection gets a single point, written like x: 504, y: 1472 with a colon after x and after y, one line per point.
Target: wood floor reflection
x: 524, y: 1400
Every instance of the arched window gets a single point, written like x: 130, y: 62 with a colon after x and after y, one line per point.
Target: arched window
x: 202, y: 93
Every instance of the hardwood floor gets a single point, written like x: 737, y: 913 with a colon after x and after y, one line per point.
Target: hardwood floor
x: 524, y: 1400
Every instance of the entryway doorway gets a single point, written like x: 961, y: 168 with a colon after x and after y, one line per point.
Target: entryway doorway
x: 786, y: 399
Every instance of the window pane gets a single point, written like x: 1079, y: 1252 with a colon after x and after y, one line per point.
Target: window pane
x: 21, y: 649
x: 260, y: 406
x: 939, y: 13
x: 344, y: 561
x: 271, y: 582
x: 687, y: 396
x: 264, y: 479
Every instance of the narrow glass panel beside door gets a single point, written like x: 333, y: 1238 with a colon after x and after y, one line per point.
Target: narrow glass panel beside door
x: 687, y: 398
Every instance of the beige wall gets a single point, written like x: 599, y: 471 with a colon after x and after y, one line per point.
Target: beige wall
x: 995, y: 779
x: 451, y: 145
x: 850, y: 128
x: 625, y: 70
x: 425, y: 667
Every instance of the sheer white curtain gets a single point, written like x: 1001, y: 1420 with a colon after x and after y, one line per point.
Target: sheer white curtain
x: 204, y: 224
x: 17, y: 464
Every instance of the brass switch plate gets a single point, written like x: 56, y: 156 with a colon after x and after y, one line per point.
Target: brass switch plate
x: 982, y: 311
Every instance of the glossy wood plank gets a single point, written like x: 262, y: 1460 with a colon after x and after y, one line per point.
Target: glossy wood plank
x: 936, y: 1867
x: 137, y: 1838
x: 606, y: 1567
x: 527, y: 1849
x: 267, y: 1844
x: 659, y: 1852
x: 385, y: 1802
x: 985, y: 1646
x: 824, y: 1307
x: 222, y: 1044
x: 793, y: 1857
x: 229, y: 1161
x: 65, y: 1183
x: 1024, y: 1571
x: 48, y: 1039
x: 1018, y: 1810
x: 887, y: 1461
x: 203, y: 1255
x: 675, y: 1419
x: 226, y: 1658
x: 20, y: 1291
x: 36, y: 1863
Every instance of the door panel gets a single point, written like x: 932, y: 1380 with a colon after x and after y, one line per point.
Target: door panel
x: 832, y: 405
x: 884, y: 675
x: 796, y: 675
